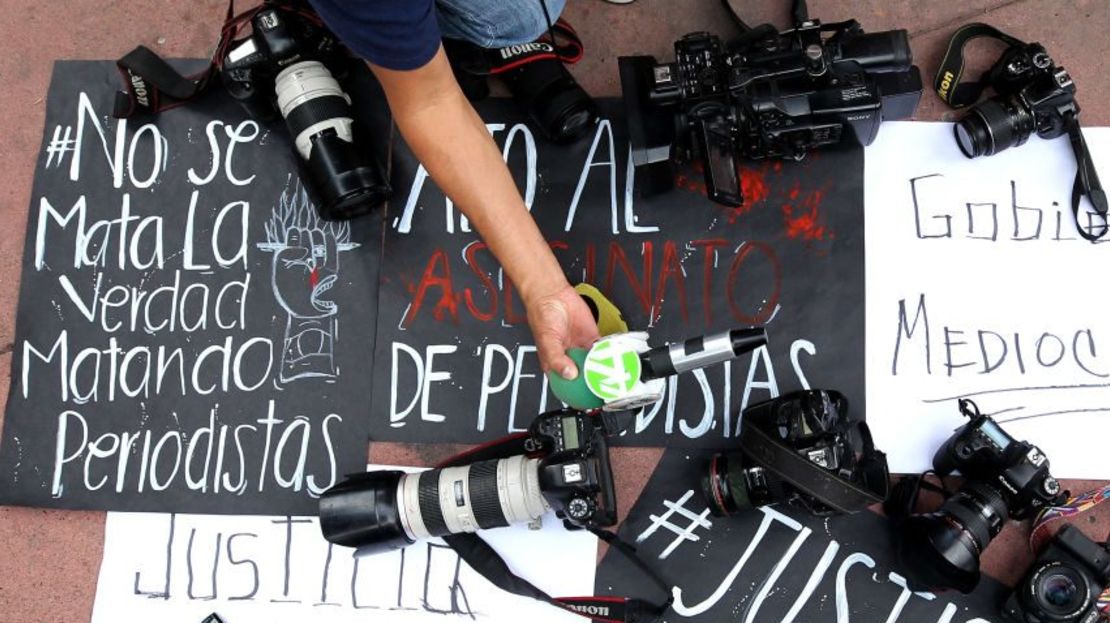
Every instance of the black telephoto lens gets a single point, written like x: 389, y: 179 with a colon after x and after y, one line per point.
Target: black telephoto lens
x: 363, y: 511
x: 994, y: 125
x: 561, y: 108
x: 941, y: 549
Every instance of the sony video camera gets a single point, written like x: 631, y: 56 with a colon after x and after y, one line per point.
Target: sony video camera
x: 562, y: 464
x: 802, y: 449
x: 766, y: 95
x: 286, y: 67
x: 1065, y: 583
x: 1005, y: 478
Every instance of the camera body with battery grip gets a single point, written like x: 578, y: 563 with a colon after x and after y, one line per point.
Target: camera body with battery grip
x: 801, y: 449
x: 563, y: 466
x: 765, y: 95
x: 288, y: 67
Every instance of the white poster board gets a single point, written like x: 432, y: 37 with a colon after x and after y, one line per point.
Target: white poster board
x: 180, y: 568
x: 978, y: 285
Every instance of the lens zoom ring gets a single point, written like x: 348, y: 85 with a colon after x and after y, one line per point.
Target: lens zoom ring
x: 316, y: 110
x: 427, y: 495
x: 483, y: 495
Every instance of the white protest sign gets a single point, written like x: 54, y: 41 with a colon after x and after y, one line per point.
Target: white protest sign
x: 979, y: 285
x: 180, y: 568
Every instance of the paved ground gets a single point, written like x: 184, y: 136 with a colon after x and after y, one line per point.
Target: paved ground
x: 49, y: 559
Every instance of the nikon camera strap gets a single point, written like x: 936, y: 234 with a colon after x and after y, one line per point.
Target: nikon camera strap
x: 838, y: 493
x: 477, y: 553
x: 956, y: 93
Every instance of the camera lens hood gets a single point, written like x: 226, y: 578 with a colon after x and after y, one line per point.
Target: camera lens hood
x: 939, y: 553
x: 362, y: 511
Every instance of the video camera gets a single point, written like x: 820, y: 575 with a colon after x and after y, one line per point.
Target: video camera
x: 766, y: 94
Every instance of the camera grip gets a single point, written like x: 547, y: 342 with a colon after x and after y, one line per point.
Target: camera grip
x: 606, y: 514
x: 722, y: 181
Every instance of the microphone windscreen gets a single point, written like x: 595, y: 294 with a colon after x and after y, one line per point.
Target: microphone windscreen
x: 574, y: 393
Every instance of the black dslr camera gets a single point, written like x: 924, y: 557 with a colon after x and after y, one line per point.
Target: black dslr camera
x: 800, y: 448
x: 766, y: 95
x: 535, y: 74
x: 285, y: 67
x: 1006, y: 478
x: 1033, y: 95
x: 1065, y: 582
x: 561, y: 463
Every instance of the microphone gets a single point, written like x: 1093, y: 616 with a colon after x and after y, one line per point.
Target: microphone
x: 622, y: 372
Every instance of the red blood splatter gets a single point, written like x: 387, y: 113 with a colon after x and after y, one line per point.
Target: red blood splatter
x: 314, y: 277
x: 802, y: 220
x: 754, y: 183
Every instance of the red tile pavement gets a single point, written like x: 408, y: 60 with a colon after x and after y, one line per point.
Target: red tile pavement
x: 49, y: 559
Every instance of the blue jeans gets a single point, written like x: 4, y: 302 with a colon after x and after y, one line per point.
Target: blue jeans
x: 496, y: 23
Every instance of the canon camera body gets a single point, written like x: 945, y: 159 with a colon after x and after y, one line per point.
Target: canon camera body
x: 287, y: 67
x: 1005, y: 478
x: 563, y: 466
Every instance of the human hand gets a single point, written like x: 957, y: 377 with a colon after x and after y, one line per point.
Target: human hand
x: 560, y: 320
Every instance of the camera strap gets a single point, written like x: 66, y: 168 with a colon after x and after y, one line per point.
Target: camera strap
x: 948, y: 81
x: 1047, y: 520
x: 1086, y: 183
x: 485, y: 560
x: 561, y: 43
x: 151, y: 85
x: 838, y: 493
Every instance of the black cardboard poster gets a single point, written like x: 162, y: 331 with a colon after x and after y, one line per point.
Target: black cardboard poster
x: 771, y: 564
x: 455, y: 356
x: 190, y: 336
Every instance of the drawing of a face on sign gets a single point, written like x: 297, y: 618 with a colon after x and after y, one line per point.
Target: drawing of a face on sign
x: 305, y: 268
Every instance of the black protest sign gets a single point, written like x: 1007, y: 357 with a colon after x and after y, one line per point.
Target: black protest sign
x: 774, y: 563
x: 456, y: 357
x: 190, y: 336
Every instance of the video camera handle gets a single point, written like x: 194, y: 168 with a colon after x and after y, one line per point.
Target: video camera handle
x: 958, y: 94
x: 718, y: 146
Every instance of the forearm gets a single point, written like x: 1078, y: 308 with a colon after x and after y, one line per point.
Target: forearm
x: 448, y: 137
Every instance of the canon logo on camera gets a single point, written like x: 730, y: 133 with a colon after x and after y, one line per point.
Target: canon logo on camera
x: 510, y: 51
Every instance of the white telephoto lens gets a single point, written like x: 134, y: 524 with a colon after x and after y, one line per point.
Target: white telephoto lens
x: 487, y: 494
x: 303, y: 91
